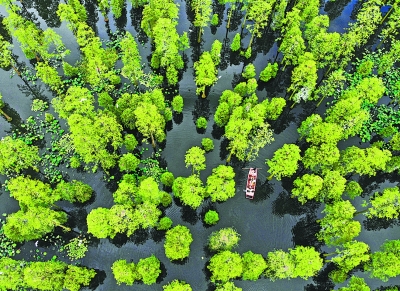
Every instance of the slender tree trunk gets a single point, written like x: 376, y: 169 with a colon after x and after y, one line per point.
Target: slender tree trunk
x: 270, y: 177
x: 387, y: 14
x: 228, y: 24
x: 228, y: 159
x: 203, y: 95
x: 153, y: 143
x: 5, y: 115
x: 244, y: 19
x: 199, y: 37
x: 251, y: 41
x: 360, y: 212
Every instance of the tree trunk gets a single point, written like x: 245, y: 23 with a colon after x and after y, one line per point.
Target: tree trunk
x: 203, y: 95
x: 5, y: 115
x: 360, y: 212
x: 270, y: 177
x: 228, y: 159
x: 199, y: 37
x: 244, y: 20
x: 153, y: 143
x: 251, y: 41
x: 229, y: 18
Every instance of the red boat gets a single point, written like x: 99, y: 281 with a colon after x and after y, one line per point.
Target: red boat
x: 251, y: 183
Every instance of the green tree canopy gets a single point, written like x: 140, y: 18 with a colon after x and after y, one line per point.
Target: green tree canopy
x: 177, y: 243
x: 221, y: 184
x: 195, y: 157
x: 224, y: 266
x: 284, y: 163
x: 177, y: 285
x: 148, y: 269
x: 223, y: 239
x: 15, y: 155
x: 253, y: 266
x: 385, y: 263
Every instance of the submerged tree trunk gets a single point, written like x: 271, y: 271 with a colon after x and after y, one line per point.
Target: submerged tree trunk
x: 5, y: 115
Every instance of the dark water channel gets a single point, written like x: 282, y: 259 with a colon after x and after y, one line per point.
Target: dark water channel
x: 271, y: 221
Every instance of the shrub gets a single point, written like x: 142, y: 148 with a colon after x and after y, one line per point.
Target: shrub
x: 148, y: 270
x: 77, y: 248
x: 177, y: 104
x: 128, y: 162
x: 201, y: 122
x: 211, y: 217
x: 253, y: 266
x: 249, y: 71
x: 167, y: 179
x: 207, y: 144
x: 214, y: 20
x: 223, y: 239
x: 225, y: 266
x: 166, y: 199
x: 177, y: 243
x: 269, y: 72
x: 124, y: 272
x: 235, y: 45
x: 164, y: 223
x: 177, y: 286
x: 130, y: 142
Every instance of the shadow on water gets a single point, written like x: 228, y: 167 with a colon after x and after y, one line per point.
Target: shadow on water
x: 223, y: 151
x: 335, y: 8
x: 376, y: 223
x: 206, y: 271
x: 119, y: 240
x: 201, y: 109
x: 157, y: 235
x: 284, y: 204
x: 217, y: 132
x: 391, y: 287
x: 177, y: 118
x: 322, y: 280
x: 98, y: 279
x: 305, y: 230
x: 189, y: 215
x: 47, y: 9
x: 163, y: 273
x: 140, y: 236
x: 264, y: 191
x: 77, y: 219
x: 180, y: 262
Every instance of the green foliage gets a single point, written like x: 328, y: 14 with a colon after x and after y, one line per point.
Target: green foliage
x: 353, y: 189
x: 201, y: 122
x: 195, y: 157
x: 148, y: 270
x: 33, y: 224
x: 385, y: 204
x: 214, y: 20
x: 166, y: 199
x: 167, y: 178
x: 8, y: 248
x: 177, y: 243
x: 98, y: 222
x: 39, y: 105
x: 165, y: 223
x: 284, y: 163
x: 338, y: 226
x: 333, y: 187
x: 76, y: 277
x: 128, y: 163
x: 385, y: 263
x: 177, y: 103
x: 307, y: 187
x: 355, y: 284
x: 249, y: 71
x: 301, y: 262
x: 130, y: 142
x: 77, y: 248
x: 211, y: 217
x: 223, y: 239
x: 206, y: 73
x: 274, y: 107
x: 177, y: 285
x: 148, y: 191
x: 269, y: 72
x: 221, y: 184
x: 227, y: 286
x: 124, y: 272
x: 235, y: 45
x: 189, y: 190
x: 45, y: 275
x: 74, y: 191
x: 150, y: 122
x: 351, y: 255
x: 207, y: 143
x: 224, y: 266
x: 16, y: 156
x: 253, y: 266
x: 31, y: 193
